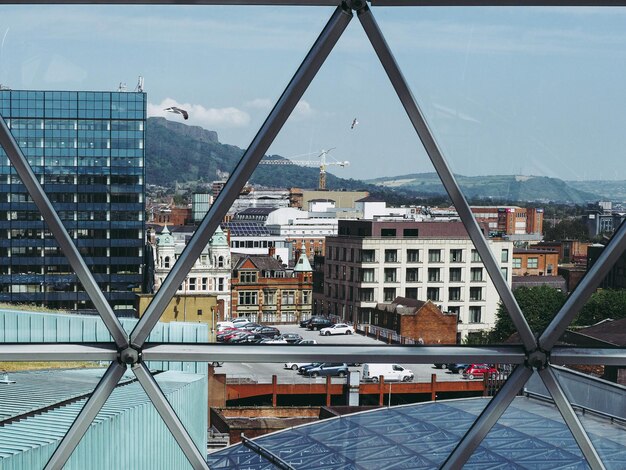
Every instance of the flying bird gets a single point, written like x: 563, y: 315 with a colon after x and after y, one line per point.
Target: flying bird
x: 176, y: 110
x: 354, y: 123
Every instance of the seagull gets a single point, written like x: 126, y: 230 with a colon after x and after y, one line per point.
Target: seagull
x: 354, y: 123
x: 176, y: 110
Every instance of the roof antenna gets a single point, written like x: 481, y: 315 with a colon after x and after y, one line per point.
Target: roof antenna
x: 121, y: 87
x: 139, y: 87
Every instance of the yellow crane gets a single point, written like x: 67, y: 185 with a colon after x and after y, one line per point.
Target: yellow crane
x: 322, y: 163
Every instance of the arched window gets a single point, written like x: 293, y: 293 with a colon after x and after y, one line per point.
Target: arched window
x: 167, y: 262
x: 220, y: 262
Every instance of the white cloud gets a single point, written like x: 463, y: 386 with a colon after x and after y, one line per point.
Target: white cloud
x: 260, y: 103
x: 302, y: 110
x: 209, y: 118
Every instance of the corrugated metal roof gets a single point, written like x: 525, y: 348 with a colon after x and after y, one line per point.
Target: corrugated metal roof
x: 34, y: 390
x: 127, y: 425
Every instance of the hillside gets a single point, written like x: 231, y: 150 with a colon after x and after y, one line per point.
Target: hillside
x: 176, y: 152
x: 501, y: 187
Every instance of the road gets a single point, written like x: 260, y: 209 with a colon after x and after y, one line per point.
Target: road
x: 262, y: 372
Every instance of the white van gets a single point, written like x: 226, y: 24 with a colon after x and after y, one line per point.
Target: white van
x: 391, y: 372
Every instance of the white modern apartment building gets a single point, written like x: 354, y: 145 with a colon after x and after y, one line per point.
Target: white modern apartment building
x: 210, y: 274
x: 373, y: 261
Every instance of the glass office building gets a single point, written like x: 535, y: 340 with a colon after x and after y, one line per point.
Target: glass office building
x: 87, y: 150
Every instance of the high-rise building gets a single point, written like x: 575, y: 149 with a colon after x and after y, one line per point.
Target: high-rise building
x: 87, y: 148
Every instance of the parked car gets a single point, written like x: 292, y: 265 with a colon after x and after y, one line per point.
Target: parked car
x: 479, y: 371
x: 295, y: 365
x: 227, y: 334
x: 390, y: 372
x: 291, y: 338
x: 441, y: 366
x: 334, y: 369
x: 456, y: 368
x: 305, y: 323
x: 222, y: 325
x: 250, y: 326
x: 267, y: 331
x: 304, y: 367
x: 337, y: 329
x: 305, y: 341
x: 246, y: 337
x: 319, y: 323
x: 274, y: 341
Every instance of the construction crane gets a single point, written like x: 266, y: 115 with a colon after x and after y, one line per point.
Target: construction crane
x: 322, y: 163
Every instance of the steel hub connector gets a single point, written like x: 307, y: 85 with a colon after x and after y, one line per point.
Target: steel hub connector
x: 355, y: 5
x: 129, y: 356
x: 537, y: 359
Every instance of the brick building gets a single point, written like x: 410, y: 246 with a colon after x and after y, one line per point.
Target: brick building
x: 511, y: 220
x: 263, y: 290
x: 417, y: 319
x: 534, y: 262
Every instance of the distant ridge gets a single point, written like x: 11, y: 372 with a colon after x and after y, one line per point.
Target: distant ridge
x: 176, y: 152
x: 499, y: 187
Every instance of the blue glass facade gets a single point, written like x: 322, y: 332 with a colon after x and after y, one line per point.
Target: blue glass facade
x: 88, y: 150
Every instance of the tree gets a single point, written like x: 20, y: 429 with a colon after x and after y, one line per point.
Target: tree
x: 566, y: 229
x: 603, y: 304
x: 539, y: 305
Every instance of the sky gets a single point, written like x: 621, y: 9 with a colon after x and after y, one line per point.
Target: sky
x: 524, y: 91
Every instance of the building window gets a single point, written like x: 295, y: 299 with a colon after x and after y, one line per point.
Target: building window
x: 391, y: 256
x: 475, y: 256
x: 549, y: 269
x: 367, y: 275
x: 454, y: 294
x: 390, y: 275
x: 220, y: 284
x: 476, y: 274
x: 220, y: 262
x: 410, y: 293
x: 412, y: 275
x: 434, y: 256
x: 434, y: 275
x: 413, y: 256
x: 504, y: 256
x: 432, y: 293
x: 368, y: 256
x: 288, y: 297
x: 456, y: 310
x: 517, y: 263
x: 366, y: 295
x: 532, y: 263
x: 456, y: 256
x: 388, y: 232
x: 455, y: 275
x: 389, y: 294
x: 247, y: 277
x: 269, y: 297
x: 306, y: 297
x: 166, y: 262
x: 476, y: 293
x: 505, y: 273
x: 205, y: 283
x: 475, y: 314
x: 410, y: 232
x: 248, y: 298
x: 192, y: 283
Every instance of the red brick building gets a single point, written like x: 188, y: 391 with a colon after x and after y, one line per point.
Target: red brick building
x: 417, y: 319
x: 263, y: 290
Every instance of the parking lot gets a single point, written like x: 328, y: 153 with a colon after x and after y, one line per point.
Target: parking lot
x: 262, y: 372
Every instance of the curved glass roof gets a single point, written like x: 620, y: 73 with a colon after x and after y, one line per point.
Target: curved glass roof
x: 530, y: 434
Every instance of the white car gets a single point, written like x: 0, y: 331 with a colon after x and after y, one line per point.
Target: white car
x: 294, y: 365
x: 337, y: 329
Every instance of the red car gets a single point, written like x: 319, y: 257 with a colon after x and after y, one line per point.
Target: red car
x: 479, y: 370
